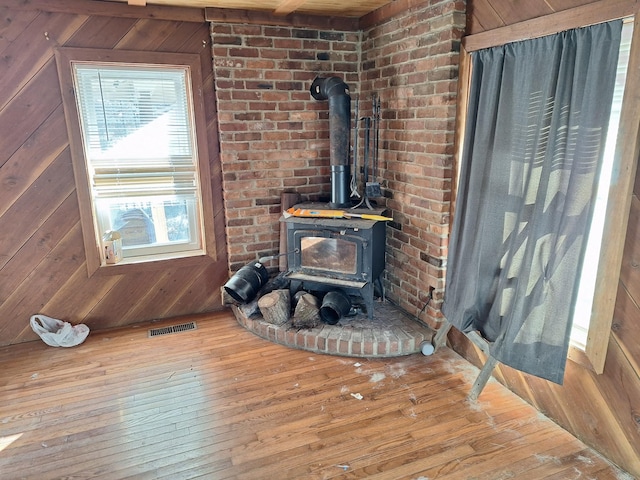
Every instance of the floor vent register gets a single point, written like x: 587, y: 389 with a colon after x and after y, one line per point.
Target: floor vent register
x: 183, y: 327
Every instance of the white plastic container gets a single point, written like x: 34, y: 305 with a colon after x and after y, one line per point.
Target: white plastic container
x: 112, y: 247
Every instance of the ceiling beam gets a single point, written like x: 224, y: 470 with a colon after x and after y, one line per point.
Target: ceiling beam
x: 109, y: 9
x: 388, y: 11
x: 228, y: 15
x: 287, y: 6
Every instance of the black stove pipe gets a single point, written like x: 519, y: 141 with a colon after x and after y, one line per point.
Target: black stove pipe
x: 337, y: 92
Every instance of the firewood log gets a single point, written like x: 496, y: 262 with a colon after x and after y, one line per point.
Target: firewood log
x: 275, y: 306
x: 307, y: 312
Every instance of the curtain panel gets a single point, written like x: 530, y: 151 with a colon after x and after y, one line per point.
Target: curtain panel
x: 536, y: 128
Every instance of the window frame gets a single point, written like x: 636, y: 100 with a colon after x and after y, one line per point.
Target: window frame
x: 65, y: 58
x: 625, y: 159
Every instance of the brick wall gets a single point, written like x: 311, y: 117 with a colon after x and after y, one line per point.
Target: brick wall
x: 274, y: 137
x: 411, y: 63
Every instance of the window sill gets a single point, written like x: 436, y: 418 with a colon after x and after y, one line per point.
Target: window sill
x: 139, y: 264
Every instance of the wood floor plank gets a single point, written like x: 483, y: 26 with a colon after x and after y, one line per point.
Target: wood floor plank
x: 218, y: 402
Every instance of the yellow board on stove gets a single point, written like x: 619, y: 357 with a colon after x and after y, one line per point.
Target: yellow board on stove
x: 325, y: 213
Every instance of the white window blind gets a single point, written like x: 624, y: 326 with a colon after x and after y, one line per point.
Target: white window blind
x: 139, y: 144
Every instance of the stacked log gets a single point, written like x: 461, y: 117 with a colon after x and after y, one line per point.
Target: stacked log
x: 307, y: 312
x: 275, y: 306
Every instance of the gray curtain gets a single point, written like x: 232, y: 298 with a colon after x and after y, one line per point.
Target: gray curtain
x: 537, y: 122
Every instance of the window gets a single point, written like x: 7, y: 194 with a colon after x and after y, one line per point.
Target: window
x: 136, y: 125
x: 539, y: 111
x: 138, y: 164
x: 608, y: 261
x: 582, y: 314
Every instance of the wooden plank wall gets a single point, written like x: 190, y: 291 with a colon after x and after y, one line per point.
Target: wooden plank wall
x: 42, y: 260
x: 602, y: 410
x: 484, y: 15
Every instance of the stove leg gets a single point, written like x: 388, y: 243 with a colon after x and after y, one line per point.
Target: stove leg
x: 294, y: 287
x: 367, y: 295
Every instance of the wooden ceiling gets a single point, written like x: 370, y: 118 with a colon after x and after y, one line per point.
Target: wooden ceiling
x: 338, y: 8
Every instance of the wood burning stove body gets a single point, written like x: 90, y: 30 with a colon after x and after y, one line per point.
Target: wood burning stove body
x: 333, y: 253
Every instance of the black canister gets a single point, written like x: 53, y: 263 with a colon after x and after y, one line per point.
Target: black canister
x: 335, y: 305
x: 247, y: 282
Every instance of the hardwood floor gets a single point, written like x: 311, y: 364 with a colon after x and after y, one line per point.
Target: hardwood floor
x: 220, y: 403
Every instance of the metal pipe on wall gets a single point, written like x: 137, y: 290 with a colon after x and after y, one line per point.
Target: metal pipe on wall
x: 336, y: 92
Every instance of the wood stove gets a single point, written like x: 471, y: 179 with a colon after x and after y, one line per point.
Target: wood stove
x: 336, y: 253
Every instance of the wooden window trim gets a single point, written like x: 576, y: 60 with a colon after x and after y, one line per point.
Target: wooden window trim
x: 64, y: 58
x: 625, y: 160
x: 590, y: 14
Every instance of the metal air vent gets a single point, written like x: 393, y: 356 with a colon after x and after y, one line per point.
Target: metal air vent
x: 156, y: 332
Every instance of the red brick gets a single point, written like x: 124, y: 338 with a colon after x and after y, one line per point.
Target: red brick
x: 244, y: 52
x: 246, y: 29
x: 277, y: 32
x: 261, y: 64
x: 288, y: 43
x: 274, y: 54
x: 311, y: 341
x: 261, y: 42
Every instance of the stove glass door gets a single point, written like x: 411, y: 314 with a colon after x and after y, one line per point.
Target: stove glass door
x: 329, y: 255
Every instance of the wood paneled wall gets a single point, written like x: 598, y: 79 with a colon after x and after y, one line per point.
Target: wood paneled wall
x: 42, y: 260
x: 602, y: 410
x: 485, y: 15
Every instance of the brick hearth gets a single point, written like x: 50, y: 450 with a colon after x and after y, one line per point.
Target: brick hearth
x: 390, y: 333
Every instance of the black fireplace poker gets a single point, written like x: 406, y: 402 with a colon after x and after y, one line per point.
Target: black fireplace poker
x: 337, y: 92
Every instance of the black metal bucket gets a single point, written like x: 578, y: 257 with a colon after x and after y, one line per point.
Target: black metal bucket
x: 247, y: 282
x: 335, y: 305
